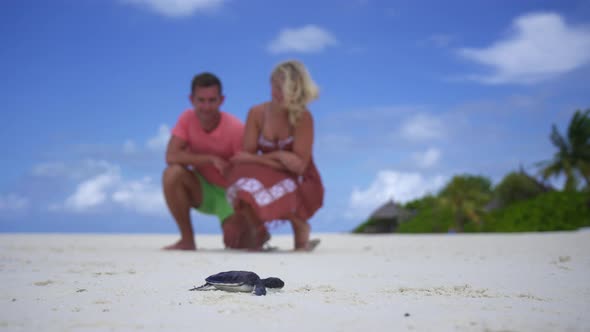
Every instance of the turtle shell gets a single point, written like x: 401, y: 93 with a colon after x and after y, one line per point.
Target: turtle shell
x: 234, y: 281
x: 240, y: 281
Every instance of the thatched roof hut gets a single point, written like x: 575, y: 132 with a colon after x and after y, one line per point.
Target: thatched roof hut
x: 385, y: 219
x: 390, y: 210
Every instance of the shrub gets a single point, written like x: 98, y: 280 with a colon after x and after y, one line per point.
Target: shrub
x: 552, y: 211
x: 517, y: 186
x: 431, y: 217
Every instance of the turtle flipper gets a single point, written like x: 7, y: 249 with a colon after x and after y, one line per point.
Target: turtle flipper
x: 206, y: 286
x: 259, y: 289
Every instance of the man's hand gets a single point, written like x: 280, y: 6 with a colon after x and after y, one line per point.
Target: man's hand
x: 219, y: 163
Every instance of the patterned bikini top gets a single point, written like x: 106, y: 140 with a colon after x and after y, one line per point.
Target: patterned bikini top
x: 267, y: 144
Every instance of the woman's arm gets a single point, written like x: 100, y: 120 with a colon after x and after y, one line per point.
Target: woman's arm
x: 246, y: 157
x: 251, y: 133
x: 298, y: 160
x: 252, y: 130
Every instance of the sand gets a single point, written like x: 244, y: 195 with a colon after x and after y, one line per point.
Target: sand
x: 506, y: 282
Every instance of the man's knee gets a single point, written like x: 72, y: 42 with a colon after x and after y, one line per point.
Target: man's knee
x: 173, y: 174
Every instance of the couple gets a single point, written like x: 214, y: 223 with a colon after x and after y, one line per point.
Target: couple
x: 247, y: 175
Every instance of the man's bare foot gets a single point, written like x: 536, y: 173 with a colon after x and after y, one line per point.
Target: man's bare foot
x: 181, y: 245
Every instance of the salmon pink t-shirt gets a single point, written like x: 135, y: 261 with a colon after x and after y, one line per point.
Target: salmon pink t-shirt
x: 224, y: 141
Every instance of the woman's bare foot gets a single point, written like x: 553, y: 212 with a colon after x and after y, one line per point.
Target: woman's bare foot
x: 310, y: 246
x: 301, y: 231
x: 255, y: 238
x: 263, y: 236
x: 182, y: 245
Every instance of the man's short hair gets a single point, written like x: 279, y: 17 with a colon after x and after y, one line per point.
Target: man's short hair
x: 205, y: 80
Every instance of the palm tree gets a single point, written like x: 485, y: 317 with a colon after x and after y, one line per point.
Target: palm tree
x: 573, y: 152
x: 466, y: 195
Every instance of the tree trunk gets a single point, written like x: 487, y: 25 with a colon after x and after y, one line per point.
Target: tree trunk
x: 459, y: 222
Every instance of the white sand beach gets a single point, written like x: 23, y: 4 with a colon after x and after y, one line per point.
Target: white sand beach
x: 491, y: 282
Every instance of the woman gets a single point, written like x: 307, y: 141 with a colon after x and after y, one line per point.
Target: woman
x: 275, y: 178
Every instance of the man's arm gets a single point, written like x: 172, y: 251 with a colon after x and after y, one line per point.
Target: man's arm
x: 177, y: 152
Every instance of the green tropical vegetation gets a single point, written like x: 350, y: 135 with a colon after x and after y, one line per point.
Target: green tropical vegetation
x: 466, y: 196
x: 520, y: 202
x: 573, y: 152
x: 516, y: 187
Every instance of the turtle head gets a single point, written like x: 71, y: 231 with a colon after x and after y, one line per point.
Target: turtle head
x: 273, y: 282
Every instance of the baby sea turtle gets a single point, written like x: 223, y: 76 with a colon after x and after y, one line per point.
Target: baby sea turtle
x: 240, y: 281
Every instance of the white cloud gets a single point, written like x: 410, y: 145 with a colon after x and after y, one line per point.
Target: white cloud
x: 92, y: 192
x: 307, y: 39
x: 178, y: 8
x: 99, y: 184
x: 428, y: 158
x: 109, y: 188
x: 399, y: 186
x: 13, y: 202
x: 422, y: 127
x: 541, y: 46
x: 141, y: 196
x: 161, y: 139
x: 75, y: 170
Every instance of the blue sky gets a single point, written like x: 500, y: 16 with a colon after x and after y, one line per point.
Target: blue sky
x: 412, y: 93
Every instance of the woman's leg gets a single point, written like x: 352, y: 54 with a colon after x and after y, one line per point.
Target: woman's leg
x: 301, y: 232
x: 255, y: 233
x: 233, y: 229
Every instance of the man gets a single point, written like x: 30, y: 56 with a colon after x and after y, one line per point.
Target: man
x: 198, y: 153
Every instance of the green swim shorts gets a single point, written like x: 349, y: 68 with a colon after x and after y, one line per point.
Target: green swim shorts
x: 214, y: 201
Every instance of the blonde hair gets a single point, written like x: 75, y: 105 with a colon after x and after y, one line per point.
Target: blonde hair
x: 298, y: 87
